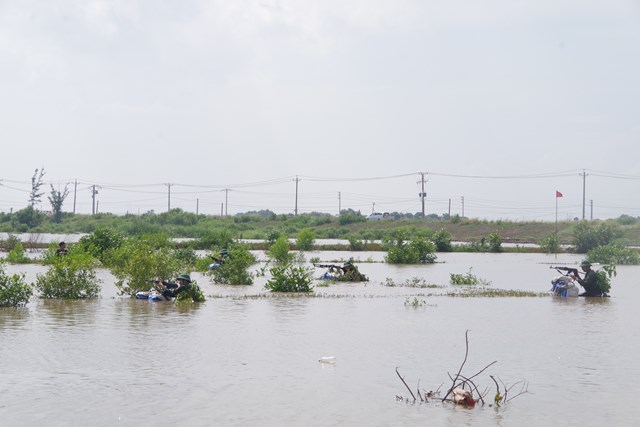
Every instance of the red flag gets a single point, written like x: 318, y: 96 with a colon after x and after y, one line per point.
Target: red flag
x: 558, y: 194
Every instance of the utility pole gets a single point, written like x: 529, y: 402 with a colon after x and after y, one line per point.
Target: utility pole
x: 449, y: 208
x: 75, y: 190
x: 422, y: 194
x: 584, y: 191
x: 168, y: 196
x: 591, y: 209
x: 197, y: 206
x: 339, y: 203
x: 462, y: 206
x: 93, y: 199
x: 296, y: 207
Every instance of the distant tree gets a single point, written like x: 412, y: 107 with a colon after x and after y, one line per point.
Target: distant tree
x: 57, y: 199
x: 36, y: 183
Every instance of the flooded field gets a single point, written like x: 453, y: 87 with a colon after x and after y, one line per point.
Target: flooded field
x: 246, y: 357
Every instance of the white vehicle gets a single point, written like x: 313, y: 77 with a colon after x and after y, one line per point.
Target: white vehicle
x: 377, y: 216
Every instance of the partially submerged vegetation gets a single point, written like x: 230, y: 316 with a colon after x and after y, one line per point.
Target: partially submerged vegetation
x: 481, y: 235
x: 464, y: 389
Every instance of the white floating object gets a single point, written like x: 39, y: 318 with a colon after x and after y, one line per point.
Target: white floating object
x: 327, y: 359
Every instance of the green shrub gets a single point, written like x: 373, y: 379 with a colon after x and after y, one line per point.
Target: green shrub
x: 14, y: 291
x: 467, y: 279
x: 214, y: 239
x: 306, y: 239
x: 193, y: 294
x: 101, y: 241
x: 614, y: 254
x: 136, y: 263
x: 287, y: 278
x: 416, y: 251
x: 495, y: 243
x: 72, y: 276
x: 355, y: 244
x: 442, y: 240
x: 17, y: 255
x: 550, y: 244
x: 588, y: 236
x: 235, y: 269
x: 279, y: 251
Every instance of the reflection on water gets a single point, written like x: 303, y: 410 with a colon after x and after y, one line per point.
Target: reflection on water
x: 252, y: 358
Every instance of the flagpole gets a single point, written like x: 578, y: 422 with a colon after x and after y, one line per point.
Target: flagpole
x: 557, y: 244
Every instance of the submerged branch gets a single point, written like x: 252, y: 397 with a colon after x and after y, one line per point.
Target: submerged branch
x: 405, y: 384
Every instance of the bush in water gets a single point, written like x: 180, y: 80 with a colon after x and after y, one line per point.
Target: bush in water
x: 287, y: 278
x: 101, y: 241
x: 72, y: 276
x: 17, y: 255
x: 588, y: 236
x: 279, y: 251
x: 614, y: 254
x: 414, y: 252
x: 235, y: 269
x: 193, y: 294
x: 467, y: 279
x: 550, y: 244
x: 13, y: 290
x: 306, y: 239
x: 136, y: 263
x: 442, y: 240
x: 495, y: 243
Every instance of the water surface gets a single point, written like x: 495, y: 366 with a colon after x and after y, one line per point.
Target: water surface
x: 249, y: 358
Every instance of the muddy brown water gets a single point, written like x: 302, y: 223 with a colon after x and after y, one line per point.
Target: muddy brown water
x: 246, y: 357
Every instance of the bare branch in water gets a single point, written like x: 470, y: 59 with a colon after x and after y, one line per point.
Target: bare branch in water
x: 466, y: 354
x: 405, y: 384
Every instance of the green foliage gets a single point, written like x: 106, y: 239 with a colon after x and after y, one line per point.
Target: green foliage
x: 192, y: 294
x: 349, y: 216
x: 442, y: 240
x: 279, y: 251
x: 355, y: 244
x: 614, y: 254
x: 14, y: 291
x: 588, y: 236
x: 415, y: 251
x: 17, y: 255
x: 30, y: 217
x: 603, y: 280
x: 273, y: 236
x: 72, y: 276
x: 466, y: 279
x: 235, y: 269
x: 550, y: 244
x: 137, y: 262
x: 214, y: 239
x: 287, y: 278
x: 186, y: 256
x: 627, y: 220
x: 495, y: 243
x: 101, y: 242
x: 306, y: 239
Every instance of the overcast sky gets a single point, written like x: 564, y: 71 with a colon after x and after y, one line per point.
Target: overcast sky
x: 355, y: 97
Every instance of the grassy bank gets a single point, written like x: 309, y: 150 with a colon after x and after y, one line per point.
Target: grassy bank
x: 177, y: 223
